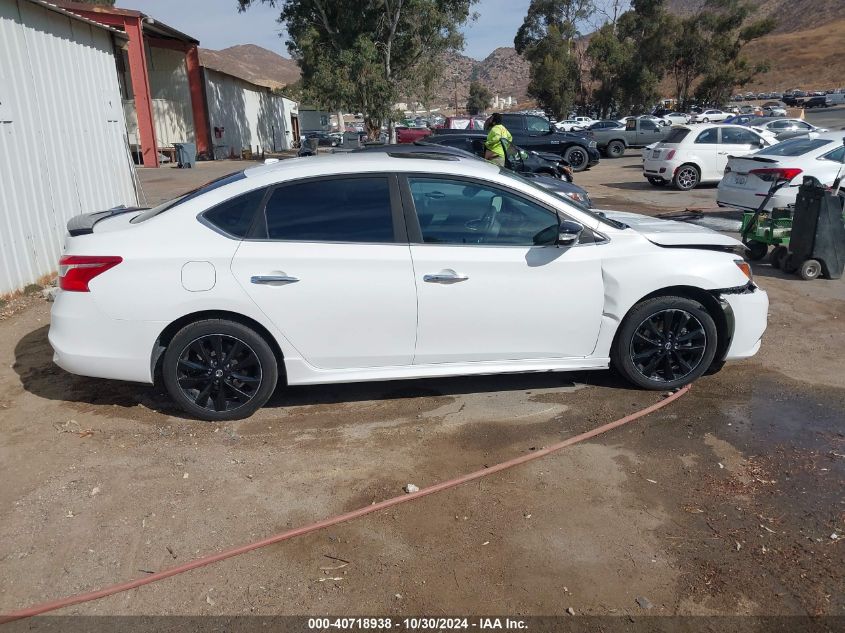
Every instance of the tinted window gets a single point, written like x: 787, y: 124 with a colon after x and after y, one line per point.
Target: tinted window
x: 331, y: 210
x: 708, y: 136
x: 460, y: 212
x: 837, y: 155
x: 803, y: 126
x: 735, y: 136
x: 210, y: 186
x: 677, y: 135
x: 537, y: 124
x: 235, y: 216
x: 797, y: 146
x: 645, y: 124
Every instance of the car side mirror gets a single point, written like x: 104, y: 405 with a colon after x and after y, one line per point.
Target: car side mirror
x: 568, y: 233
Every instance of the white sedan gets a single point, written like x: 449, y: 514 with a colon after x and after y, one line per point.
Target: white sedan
x: 710, y: 116
x: 363, y: 267
x: 570, y: 125
x: 748, y: 179
x: 693, y: 154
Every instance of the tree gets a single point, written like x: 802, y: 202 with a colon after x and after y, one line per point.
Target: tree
x: 610, y: 57
x: 546, y: 39
x: 356, y: 54
x: 479, y: 98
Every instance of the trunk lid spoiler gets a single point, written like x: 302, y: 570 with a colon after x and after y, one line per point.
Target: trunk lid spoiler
x: 84, y: 224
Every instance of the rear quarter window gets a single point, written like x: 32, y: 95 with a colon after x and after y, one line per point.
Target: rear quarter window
x: 172, y: 204
x: 235, y: 217
x: 677, y: 135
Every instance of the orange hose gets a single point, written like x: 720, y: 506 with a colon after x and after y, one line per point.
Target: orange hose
x: 341, y: 518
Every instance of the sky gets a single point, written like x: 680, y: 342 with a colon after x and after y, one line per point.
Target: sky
x: 217, y: 24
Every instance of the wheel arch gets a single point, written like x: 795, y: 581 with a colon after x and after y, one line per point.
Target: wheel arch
x: 167, y: 334
x: 718, y: 310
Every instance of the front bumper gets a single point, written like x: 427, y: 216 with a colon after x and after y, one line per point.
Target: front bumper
x: 594, y: 155
x: 88, y: 342
x: 749, y: 309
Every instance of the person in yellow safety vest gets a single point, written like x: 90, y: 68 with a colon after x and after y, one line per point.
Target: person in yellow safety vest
x: 493, y: 149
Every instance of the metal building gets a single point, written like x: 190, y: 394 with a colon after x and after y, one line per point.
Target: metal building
x: 245, y: 116
x: 63, y: 145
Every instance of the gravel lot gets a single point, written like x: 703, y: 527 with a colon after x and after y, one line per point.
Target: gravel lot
x: 729, y: 501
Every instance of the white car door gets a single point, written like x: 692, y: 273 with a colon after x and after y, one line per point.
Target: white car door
x: 735, y: 141
x: 332, y: 270
x: 491, y: 284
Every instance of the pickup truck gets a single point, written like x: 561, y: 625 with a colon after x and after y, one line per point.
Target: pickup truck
x: 536, y: 133
x: 636, y: 133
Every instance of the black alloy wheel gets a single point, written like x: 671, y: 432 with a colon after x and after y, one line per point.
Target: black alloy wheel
x: 219, y: 370
x: 219, y: 373
x: 665, y: 342
x: 668, y: 345
x: 576, y: 157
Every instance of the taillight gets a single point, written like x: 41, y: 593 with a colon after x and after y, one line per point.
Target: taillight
x: 670, y: 155
x: 770, y: 174
x: 75, y: 271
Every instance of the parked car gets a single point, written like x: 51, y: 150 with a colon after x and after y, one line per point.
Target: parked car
x: 740, y: 119
x: 748, y: 178
x: 570, y: 124
x: 710, y: 116
x: 411, y: 134
x: 606, y: 124
x: 517, y: 158
x: 266, y: 277
x: 638, y: 132
x: 677, y: 118
x: 694, y: 154
x: 784, y: 128
x: 819, y: 101
x: 532, y: 132
x: 774, y: 111
x: 792, y: 100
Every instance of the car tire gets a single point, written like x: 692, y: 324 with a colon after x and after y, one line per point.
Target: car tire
x: 665, y: 343
x: 686, y: 177
x: 705, y: 120
x: 198, y: 370
x: 777, y: 256
x: 615, y: 149
x: 577, y: 157
x: 756, y: 250
x: 657, y: 182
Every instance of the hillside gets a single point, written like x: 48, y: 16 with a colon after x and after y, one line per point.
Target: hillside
x: 253, y: 63
x: 805, y: 51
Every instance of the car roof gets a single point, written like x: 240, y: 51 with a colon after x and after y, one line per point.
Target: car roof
x: 372, y: 162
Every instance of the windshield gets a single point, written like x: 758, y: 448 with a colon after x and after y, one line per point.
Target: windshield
x: 209, y: 186
x: 796, y: 147
x: 580, y: 207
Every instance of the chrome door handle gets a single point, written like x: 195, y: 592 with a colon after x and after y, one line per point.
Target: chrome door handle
x: 445, y: 278
x: 273, y: 279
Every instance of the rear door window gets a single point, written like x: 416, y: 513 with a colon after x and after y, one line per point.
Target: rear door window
x: 332, y: 210
x: 537, y: 124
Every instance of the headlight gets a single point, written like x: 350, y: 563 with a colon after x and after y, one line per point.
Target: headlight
x: 592, y: 143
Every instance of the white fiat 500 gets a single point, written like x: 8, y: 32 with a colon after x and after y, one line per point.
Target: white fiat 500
x: 377, y: 267
x: 693, y: 154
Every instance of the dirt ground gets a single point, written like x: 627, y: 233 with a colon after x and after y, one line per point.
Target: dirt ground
x: 729, y: 501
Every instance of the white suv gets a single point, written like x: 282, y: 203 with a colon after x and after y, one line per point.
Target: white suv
x: 693, y: 154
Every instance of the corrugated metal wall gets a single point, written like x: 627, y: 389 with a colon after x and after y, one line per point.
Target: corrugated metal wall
x: 251, y: 116
x: 63, y: 144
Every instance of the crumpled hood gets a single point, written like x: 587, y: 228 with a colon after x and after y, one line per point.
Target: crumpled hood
x: 672, y: 233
